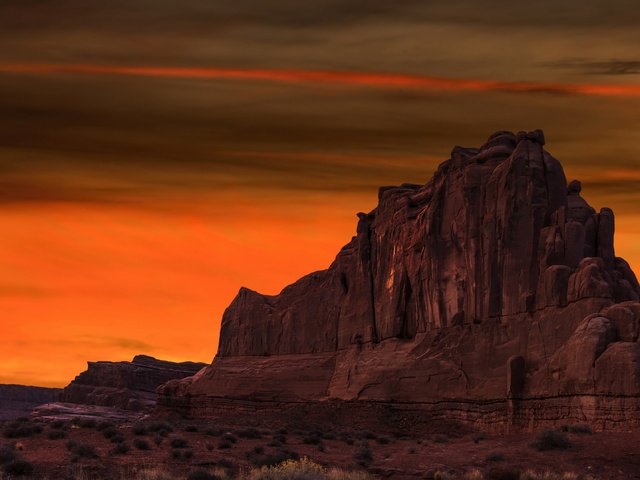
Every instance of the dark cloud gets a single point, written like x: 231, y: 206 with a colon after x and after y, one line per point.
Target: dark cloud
x: 591, y: 67
x: 102, y: 139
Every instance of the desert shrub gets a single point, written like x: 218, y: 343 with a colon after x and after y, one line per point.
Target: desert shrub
x: 551, y: 440
x: 58, y: 424
x: 312, y: 440
x: 249, y: 433
x: 224, y: 445
x: 443, y: 475
x: 478, y: 437
x: 291, y: 470
x: 87, y: 423
x: 259, y: 450
x: 280, y: 437
x: 161, y: 428
x: 18, y: 468
x: 344, y: 436
x: 21, y: 429
x: 473, y: 475
x: 180, y: 453
x: 151, y: 474
x: 229, y: 437
x: 210, y: 447
x: 104, y: 425
x: 282, y: 431
x: 383, y: 440
x: 139, y: 428
x: 272, y: 459
x: 580, y: 428
x: 503, y: 474
x: 228, y: 464
x: 368, y: 435
x: 82, y: 450
x: 363, y: 455
x: 439, y: 438
x: 56, y: 434
x: 203, y: 475
x: 141, y: 444
x: 531, y: 475
x: 7, y: 454
x: 495, y: 457
x: 110, y: 432
x: 117, y: 438
x: 213, y: 432
x: 158, y: 440
x: 179, y: 442
x: 190, y: 428
x: 120, y: 449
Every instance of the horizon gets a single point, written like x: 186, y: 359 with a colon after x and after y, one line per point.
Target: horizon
x: 156, y: 160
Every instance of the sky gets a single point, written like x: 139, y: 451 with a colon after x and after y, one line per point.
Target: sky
x: 156, y: 155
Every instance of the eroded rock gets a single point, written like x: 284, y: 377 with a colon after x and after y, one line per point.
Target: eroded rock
x: 444, y: 285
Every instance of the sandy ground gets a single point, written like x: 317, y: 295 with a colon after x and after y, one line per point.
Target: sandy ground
x: 606, y: 456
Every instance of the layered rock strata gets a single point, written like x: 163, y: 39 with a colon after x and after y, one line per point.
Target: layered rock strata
x: 125, y: 385
x: 19, y: 400
x: 491, y: 295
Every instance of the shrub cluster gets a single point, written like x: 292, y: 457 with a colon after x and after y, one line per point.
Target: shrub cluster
x: 22, y: 429
x: 161, y: 428
x: 141, y: 444
x: 184, y: 454
x: 81, y: 450
x: 551, y: 440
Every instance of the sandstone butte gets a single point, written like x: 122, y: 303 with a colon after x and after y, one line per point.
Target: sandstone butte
x: 124, y: 385
x: 490, y: 296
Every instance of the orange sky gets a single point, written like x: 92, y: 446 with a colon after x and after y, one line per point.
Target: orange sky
x: 108, y: 282
x: 152, y: 161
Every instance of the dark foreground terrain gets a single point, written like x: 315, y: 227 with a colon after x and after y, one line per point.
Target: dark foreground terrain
x: 159, y: 449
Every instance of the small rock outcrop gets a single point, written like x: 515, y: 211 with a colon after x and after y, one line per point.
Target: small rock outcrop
x: 19, y: 400
x: 125, y: 385
x: 491, y: 295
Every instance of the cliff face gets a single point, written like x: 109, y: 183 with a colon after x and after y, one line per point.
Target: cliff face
x: 127, y: 385
x: 495, y: 282
x: 19, y: 400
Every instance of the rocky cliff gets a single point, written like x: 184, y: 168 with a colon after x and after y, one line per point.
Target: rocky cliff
x: 19, y: 400
x: 491, y: 295
x: 126, y: 385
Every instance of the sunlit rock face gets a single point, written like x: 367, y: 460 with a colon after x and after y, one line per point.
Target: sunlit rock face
x: 495, y: 283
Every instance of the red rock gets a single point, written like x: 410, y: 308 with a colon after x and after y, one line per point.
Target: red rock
x: 126, y: 385
x: 19, y: 400
x: 442, y: 288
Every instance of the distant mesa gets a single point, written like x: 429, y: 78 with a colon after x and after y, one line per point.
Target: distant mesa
x: 491, y: 296
x: 125, y: 385
x: 19, y: 400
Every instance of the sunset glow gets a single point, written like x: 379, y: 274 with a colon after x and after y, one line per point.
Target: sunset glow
x: 354, y: 79
x: 155, y: 160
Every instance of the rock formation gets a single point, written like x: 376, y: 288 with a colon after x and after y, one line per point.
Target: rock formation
x: 126, y: 385
x: 19, y: 400
x: 490, y: 295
